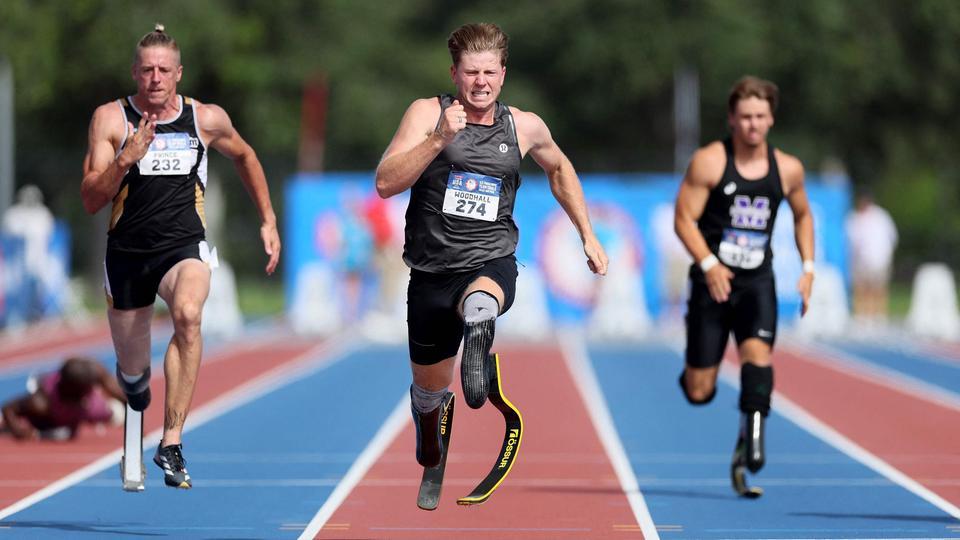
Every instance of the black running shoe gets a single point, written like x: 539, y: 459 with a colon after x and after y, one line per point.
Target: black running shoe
x: 474, y: 374
x: 138, y: 393
x: 170, y: 459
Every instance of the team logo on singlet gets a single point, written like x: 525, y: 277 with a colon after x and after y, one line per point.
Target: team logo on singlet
x: 729, y: 188
x: 750, y: 214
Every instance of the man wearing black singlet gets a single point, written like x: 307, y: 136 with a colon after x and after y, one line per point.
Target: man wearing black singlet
x: 147, y: 156
x: 460, y: 157
x: 725, y: 212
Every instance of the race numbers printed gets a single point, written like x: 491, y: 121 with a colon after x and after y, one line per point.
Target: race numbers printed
x: 472, y: 196
x: 743, y: 249
x: 169, y: 154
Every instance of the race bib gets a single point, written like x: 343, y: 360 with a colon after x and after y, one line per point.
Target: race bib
x: 169, y: 154
x: 743, y: 249
x: 472, y: 196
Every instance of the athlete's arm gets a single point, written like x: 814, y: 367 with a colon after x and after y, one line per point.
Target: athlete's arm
x: 103, y: 168
x: 703, y: 173
x: 218, y: 132
x: 416, y: 143
x: 796, y: 195
x: 534, y: 137
x: 16, y: 414
x: 108, y: 382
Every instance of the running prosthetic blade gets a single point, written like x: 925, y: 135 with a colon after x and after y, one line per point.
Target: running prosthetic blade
x: 132, y: 470
x: 513, y: 434
x: 474, y: 373
x: 738, y: 471
x: 432, y: 481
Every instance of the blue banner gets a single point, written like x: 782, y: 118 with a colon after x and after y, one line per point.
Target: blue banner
x: 329, y: 231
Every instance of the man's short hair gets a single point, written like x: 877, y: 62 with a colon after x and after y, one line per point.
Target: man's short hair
x: 477, y: 38
x: 750, y: 86
x: 157, y: 38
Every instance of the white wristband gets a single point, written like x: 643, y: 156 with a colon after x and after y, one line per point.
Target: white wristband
x: 808, y: 267
x: 708, y: 262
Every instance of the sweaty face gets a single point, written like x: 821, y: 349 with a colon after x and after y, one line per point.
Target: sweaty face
x: 157, y: 72
x: 751, y: 121
x: 479, y: 78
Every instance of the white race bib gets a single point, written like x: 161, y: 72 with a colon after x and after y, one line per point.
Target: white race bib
x: 169, y: 154
x: 472, y: 196
x: 743, y: 249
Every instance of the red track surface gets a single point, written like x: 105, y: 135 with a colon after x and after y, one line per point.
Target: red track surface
x: 562, y: 485
x: 26, y: 467
x: 914, y: 435
x: 59, y: 340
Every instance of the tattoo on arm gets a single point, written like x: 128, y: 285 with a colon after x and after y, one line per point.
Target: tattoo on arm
x: 174, y: 419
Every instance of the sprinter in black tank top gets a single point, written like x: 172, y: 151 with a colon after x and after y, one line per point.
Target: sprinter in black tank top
x: 460, y: 155
x: 725, y: 213
x: 147, y: 155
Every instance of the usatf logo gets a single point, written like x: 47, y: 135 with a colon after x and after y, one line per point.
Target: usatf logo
x: 508, y: 451
x: 747, y: 214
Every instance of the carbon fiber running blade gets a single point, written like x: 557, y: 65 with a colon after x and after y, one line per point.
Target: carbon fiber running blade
x: 738, y: 472
x: 513, y: 434
x: 432, y: 481
x: 132, y: 470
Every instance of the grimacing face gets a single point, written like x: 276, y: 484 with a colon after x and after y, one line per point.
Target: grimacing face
x: 751, y: 121
x: 157, y: 71
x: 478, y: 78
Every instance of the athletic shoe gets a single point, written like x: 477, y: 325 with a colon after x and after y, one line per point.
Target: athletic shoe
x: 170, y: 459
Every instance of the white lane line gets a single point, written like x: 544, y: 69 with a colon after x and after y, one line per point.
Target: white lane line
x: 889, y: 378
x: 574, y: 352
x: 375, y: 448
x: 314, y: 359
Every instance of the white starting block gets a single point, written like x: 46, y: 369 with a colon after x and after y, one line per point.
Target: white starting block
x: 132, y: 470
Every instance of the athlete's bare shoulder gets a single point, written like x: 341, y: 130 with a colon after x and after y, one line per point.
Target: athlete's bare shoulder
x: 108, y: 119
x: 791, y: 170
x: 211, y: 116
x: 707, y: 164
x: 526, y: 120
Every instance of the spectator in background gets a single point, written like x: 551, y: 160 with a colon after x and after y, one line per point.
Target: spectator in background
x: 81, y: 391
x: 872, y: 237
x: 31, y: 221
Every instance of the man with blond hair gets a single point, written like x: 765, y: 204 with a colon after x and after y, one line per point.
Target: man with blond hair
x: 147, y: 156
x: 459, y: 155
x: 725, y: 213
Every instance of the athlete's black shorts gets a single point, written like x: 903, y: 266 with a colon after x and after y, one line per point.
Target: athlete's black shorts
x: 750, y: 312
x: 434, y: 326
x: 132, y: 279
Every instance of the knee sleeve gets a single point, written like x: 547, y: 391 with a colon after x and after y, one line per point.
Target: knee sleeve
x: 756, y: 386
x: 686, y: 393
x: 480, y: 306
x: 133, y: 384
x: 424, y: 400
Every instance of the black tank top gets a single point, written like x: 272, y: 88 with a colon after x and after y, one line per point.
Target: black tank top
x: 737, y: 222
x: 159, y: 204
x: 461, y: 208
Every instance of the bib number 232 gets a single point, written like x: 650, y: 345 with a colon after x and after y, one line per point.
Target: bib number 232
x: 472, y: 196
x: 169, y: 154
